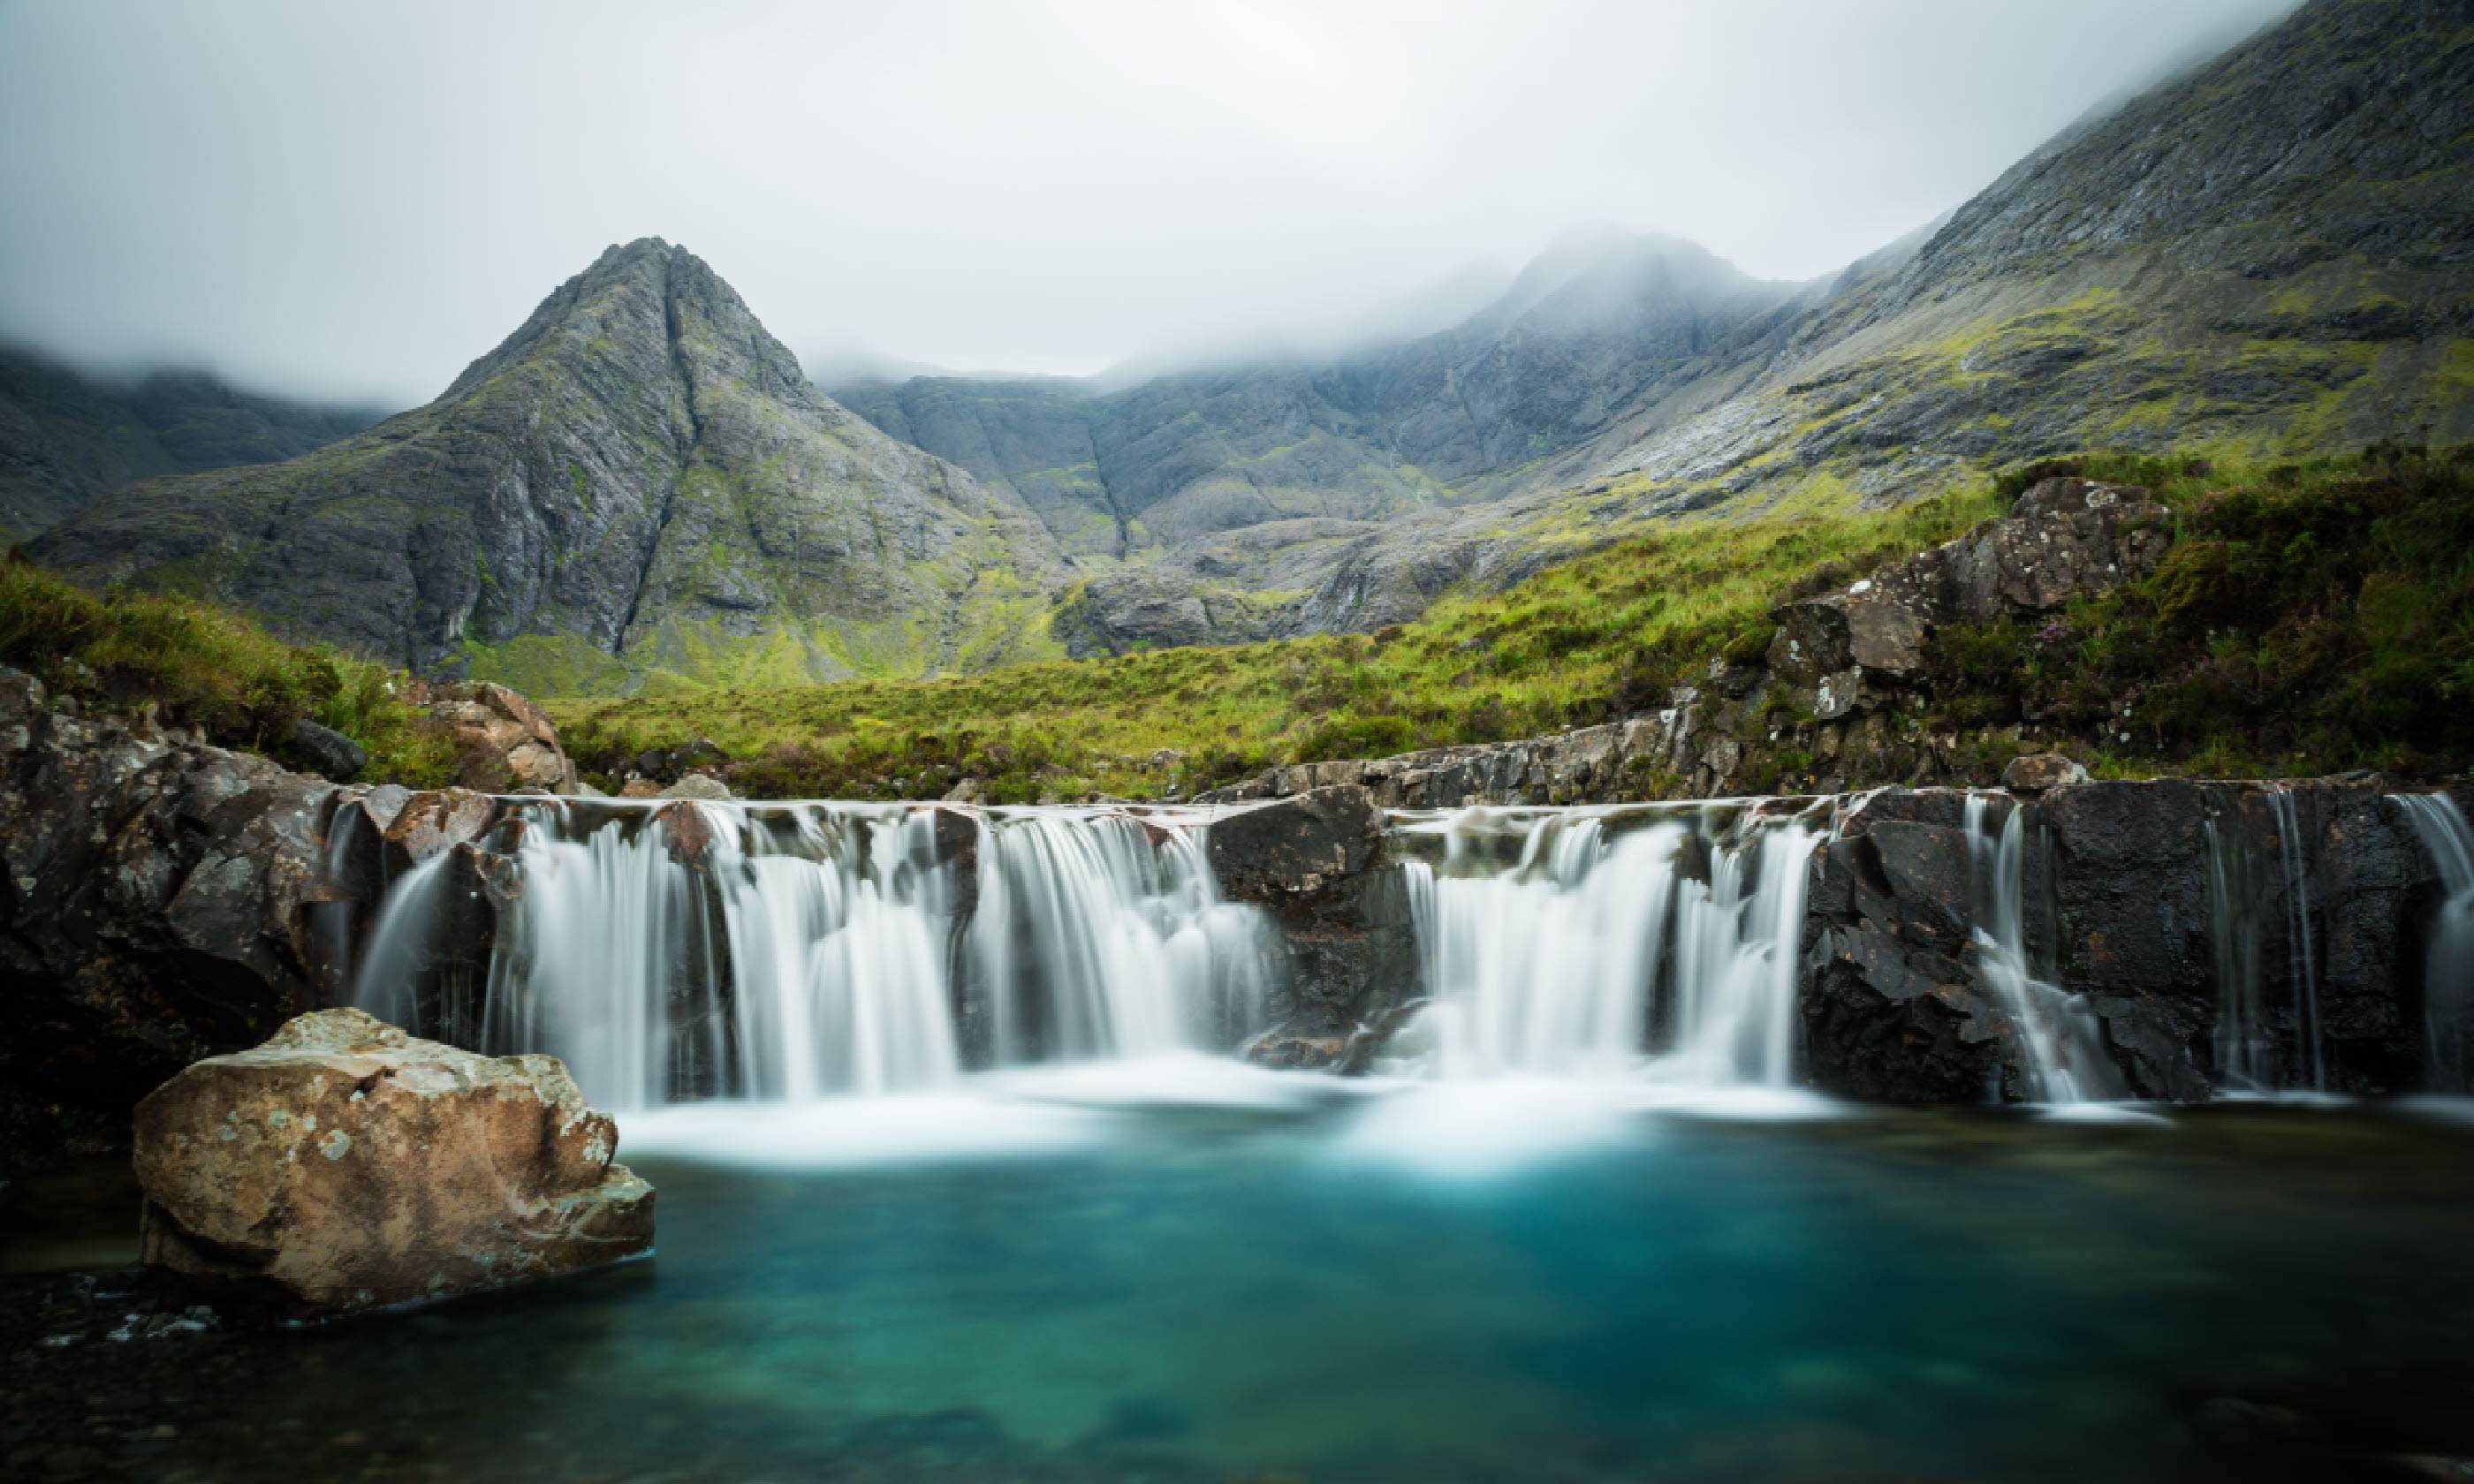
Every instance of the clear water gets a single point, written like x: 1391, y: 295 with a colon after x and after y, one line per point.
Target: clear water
x: 1189, y: 1269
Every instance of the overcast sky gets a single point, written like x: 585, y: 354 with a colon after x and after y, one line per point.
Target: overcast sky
x: 352, y: 201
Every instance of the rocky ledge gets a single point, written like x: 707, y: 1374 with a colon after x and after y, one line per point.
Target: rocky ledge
x: 343, y: 1166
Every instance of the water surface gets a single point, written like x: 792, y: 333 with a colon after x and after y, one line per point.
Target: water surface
x: 1061, y: 1276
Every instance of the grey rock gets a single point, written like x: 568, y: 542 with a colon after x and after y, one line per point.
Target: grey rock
x: 329, y: 752
x: 2039, y: 771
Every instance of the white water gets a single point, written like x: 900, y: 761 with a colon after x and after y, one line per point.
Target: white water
x: 2065, y: 1062
x: 819, y: 950
x: 2251, y: 1054
x: 2448, y: 964
x: 1555, y: 964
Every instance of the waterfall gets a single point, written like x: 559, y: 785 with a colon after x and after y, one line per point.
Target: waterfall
x: 803, y: 951
x: 1554, y: 962
x: 2448, y: 962
x: 2250, y: 1053
x: 2063, y: 1045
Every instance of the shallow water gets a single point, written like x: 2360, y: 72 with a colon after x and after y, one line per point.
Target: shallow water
x: 1063, y: 1277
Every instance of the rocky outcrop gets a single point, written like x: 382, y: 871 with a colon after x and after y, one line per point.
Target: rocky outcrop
x: 639, y: 481
x: 156, y: 907
x: 343, y: 1166
x: 1316, y: 861
x: 2223, y: 937
x: 502, y: 741
x: 2065, y: 538
x: 1842, y: 699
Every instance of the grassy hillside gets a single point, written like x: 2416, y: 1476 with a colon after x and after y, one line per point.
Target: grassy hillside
x: 2309, y: 617
x: 200, y: 666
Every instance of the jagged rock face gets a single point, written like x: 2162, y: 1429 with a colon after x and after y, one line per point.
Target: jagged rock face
x: 66, y: 437
x: 1894, y: 1008
x: 344, y: 1165
x: 2123, y: 910
x: 155, y: 909
x: 638, y: 480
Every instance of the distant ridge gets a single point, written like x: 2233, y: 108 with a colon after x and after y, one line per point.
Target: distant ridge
x: 67, y: 436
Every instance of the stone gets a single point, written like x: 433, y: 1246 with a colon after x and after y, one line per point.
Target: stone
x: 1297, y: 845
x: 2070, y: 496
x: 155, y: 907
x: 2039, y: 771
x: 327, y: 751
x: 502, y: 741
x: 699, y: 785
x: 344, y: 1166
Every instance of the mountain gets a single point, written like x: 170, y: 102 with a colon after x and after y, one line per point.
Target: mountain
x: 67, y: 436
x: 1599, y: 320
x: 638, y: 487
x: 2270, y: 255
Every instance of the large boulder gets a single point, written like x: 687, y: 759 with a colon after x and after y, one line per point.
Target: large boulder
x: 1316, y: 862
x: 156, y: 903
x: 343, y: 1166
x: 1895, y: 1007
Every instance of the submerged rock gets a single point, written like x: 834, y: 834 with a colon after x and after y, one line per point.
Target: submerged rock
x: 343, y: 1166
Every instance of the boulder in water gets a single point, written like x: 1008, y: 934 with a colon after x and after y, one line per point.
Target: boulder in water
x: 344, y: 1166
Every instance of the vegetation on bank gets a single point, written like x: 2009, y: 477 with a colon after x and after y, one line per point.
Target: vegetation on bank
x: 200, y: 666
x: 2309, y: 617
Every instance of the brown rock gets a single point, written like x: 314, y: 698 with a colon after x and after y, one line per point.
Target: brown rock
x: 2042, y: 770
x: 428, y: 823
x: 503, y: 740
x: 343, y: 1166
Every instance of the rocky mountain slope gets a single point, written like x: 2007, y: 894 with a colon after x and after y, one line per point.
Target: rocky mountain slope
x: 2271, y: 255
x: 67, y: 436
x: 1598, y: 321
x: 638, y: 487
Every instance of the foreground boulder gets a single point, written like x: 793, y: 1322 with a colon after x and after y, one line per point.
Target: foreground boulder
x: 343, y: 1166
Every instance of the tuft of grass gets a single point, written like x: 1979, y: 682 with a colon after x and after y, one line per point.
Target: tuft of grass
x: 200, y: 666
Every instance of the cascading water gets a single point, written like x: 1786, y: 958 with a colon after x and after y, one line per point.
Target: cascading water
x: 1556, y: 963
x: 794, y: 951
x: 2065, y: 1059
x: 2448, y: 962
x: 2252, y: 1053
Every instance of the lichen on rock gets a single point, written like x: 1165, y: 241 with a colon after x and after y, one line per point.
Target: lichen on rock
x: 344, y: 1166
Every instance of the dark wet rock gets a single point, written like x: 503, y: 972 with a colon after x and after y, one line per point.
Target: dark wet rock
x: 1315, y: 860
x: 343, y: 1166
x: 155, y: 909
x: 327, y: 752
x: 1297, y: 847
x: 1893, y: 1008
